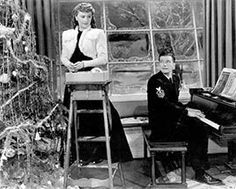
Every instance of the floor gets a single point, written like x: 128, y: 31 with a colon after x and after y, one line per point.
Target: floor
x: 137, y: 174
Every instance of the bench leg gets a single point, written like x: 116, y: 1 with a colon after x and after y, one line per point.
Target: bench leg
x: 144, y: 149
x: 183, y: 172
x: 153, y: 169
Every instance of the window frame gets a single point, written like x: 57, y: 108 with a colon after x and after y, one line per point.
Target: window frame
x: 151, y: 31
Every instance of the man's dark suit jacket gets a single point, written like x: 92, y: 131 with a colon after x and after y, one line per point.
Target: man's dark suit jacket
x: 163, y: 107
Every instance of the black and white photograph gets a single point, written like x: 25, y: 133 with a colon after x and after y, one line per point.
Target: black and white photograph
x: 117, y: 94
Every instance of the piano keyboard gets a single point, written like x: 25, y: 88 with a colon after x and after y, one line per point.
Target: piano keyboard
x: 210, y: 123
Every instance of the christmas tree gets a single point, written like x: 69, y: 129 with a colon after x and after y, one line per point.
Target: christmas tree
x: 31, y: 121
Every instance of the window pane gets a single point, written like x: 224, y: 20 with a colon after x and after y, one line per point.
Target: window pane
x: 189, y: 73
x: 198, y: 11
x: 171, y: 14
x: 126, y: 15
x: 128, y: 29
x: 200, y: 43
x: 182, y: 42
x: 130, y: 78
x: 66, y: 14
x: 129, y: 47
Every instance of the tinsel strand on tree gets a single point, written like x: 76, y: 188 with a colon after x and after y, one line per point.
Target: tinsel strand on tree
x: 31, y: 122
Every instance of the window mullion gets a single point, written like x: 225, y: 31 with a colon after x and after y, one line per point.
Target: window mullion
x: 151, y: 35
x: 196, y: 41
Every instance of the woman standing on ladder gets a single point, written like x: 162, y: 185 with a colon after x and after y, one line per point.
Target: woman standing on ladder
x: 83, y: 49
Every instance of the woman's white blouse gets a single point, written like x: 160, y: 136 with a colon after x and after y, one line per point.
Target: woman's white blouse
x: 92, y: 43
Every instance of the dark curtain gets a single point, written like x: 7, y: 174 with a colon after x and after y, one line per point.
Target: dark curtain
x: 220, y: 41
x: 43, y: 20
x: 43, y: 13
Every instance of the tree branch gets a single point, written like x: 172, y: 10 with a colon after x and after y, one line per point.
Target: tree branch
x: 15, y: 95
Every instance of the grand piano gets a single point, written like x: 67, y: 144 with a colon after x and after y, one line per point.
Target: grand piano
x: 219, y: 107
x: 220, y: 113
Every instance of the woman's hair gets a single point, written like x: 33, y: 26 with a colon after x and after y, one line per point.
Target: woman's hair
x: 83, y: 7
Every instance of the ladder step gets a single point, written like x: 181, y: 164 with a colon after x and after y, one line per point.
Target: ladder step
x: 86, y: 111
x: 102, y: 165
x: 92, y: 139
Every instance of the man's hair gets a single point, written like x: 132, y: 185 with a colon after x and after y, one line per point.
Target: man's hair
x: 167, y: 52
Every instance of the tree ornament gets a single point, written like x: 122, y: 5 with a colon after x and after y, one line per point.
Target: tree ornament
x: 26, y: 49
x: 15, y: 17
x: 37, y: 136
x: 10, y: 152
x: 4, y: 78
x: 5, y: 31
x: 14, y: 73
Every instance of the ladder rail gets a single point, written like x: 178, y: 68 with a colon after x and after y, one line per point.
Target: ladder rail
x: 67, y: 151
x: 76, y: 127
x: 108, y: 149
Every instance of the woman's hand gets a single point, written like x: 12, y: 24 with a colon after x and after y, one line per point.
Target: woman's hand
x: 78, y: 65
x: 70, y: 66
x: 74, y: 67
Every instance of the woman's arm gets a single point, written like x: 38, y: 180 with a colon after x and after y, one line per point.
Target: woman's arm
x: 101, y: 48
x: 65, y: 54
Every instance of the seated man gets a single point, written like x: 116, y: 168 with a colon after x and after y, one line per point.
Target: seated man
x: 170, y: 120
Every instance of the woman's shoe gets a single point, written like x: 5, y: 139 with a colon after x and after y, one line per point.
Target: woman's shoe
x: 98, y: 160
x: 90, y: 161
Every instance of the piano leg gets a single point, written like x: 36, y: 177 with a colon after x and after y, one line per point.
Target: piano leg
x: 231, y: 164
x: 231, y: 151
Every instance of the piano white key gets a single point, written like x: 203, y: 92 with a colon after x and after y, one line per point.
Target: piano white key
x: 209, y: 122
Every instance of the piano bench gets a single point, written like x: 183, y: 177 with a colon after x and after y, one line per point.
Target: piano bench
x: 156, y: 147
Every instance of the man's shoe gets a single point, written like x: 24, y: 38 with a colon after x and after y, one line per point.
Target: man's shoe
x: 208, y: 179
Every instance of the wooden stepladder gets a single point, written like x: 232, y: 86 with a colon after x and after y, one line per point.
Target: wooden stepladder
x: 92, y: 89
